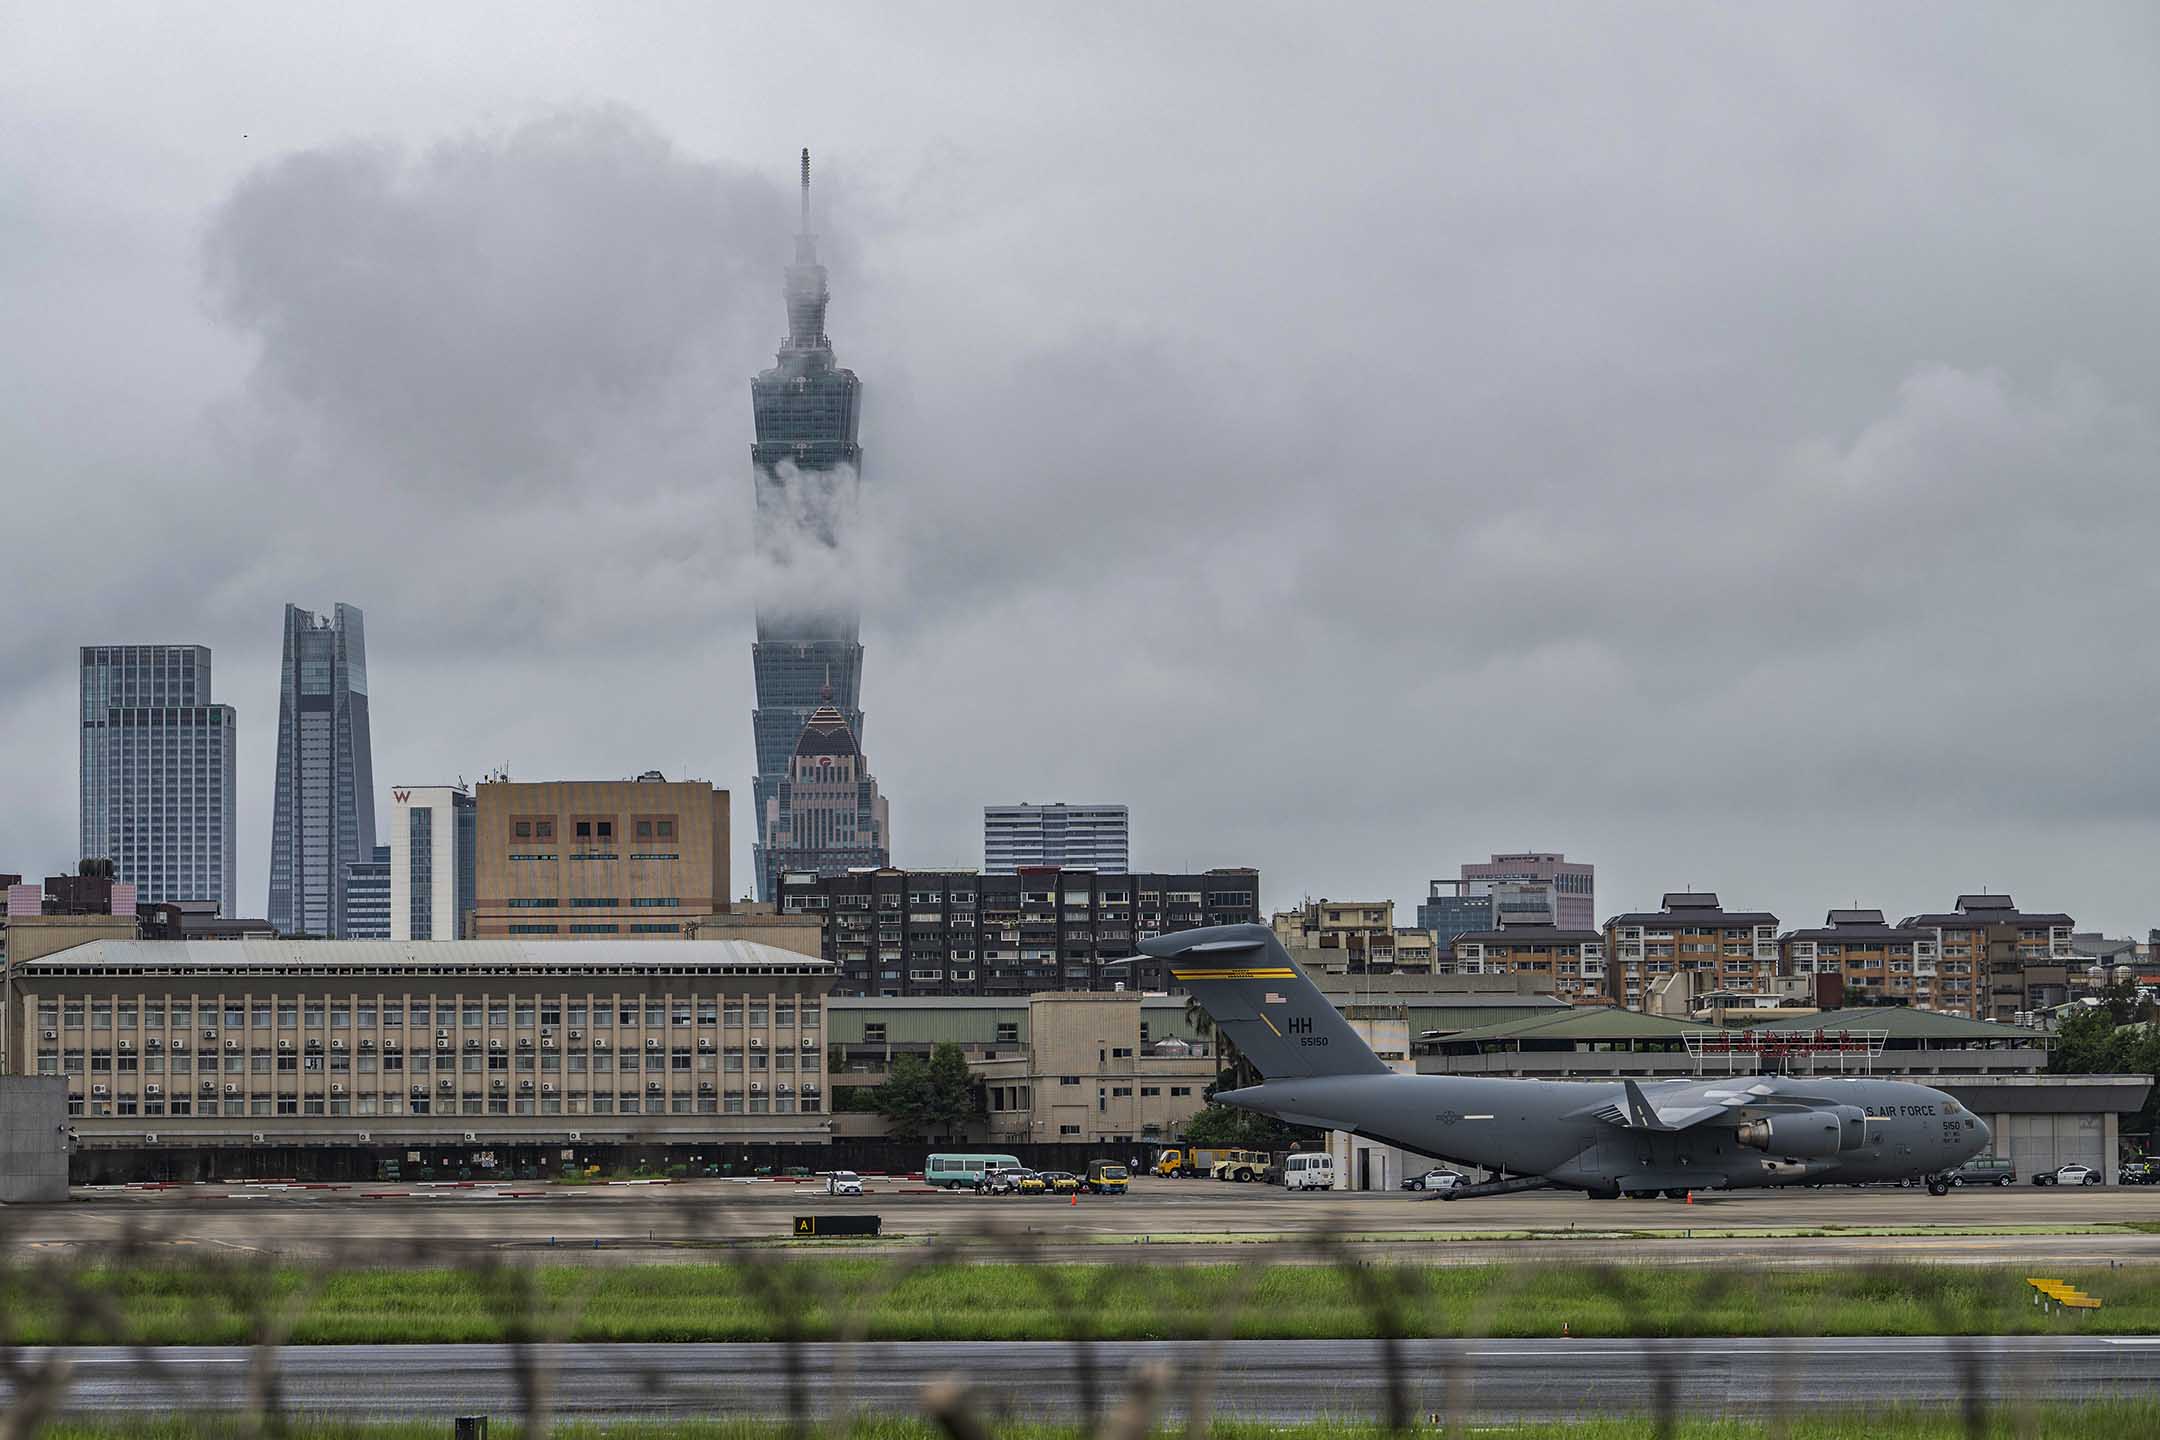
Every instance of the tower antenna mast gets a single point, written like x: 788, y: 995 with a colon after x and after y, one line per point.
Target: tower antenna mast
x: 806, y: 190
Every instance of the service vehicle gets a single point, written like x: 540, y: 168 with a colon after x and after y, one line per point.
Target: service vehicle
x: 1107, y: 1177
x: 1984, y: 1170
x: 1243, y: 1166
x: 1437, y: 1178
x: 960, y: 1172
x: 1308, y: 1170
x: 1027, y: 1182
x: 843, y: 1182
x: 1187, y: 1162
x: 2070, y: 1175
x: 1606, y: 1138
x: 1062, y: 1182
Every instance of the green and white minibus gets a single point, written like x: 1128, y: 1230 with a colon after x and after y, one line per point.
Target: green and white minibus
x: 960, y: 1172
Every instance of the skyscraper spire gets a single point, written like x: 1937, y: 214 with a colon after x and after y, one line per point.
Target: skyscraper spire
x: 807, y: 346
x: 802, y: 231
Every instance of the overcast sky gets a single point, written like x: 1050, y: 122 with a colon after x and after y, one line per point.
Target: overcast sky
x: 1720, y: 443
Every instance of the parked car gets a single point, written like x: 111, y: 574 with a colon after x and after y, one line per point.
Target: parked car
x: 999, y: 1180
x: 2070, y: 1175
x: 1062, y: 1182
x: 1438, y: 1178
x: 843, y: 1182
x: 1984, y: 1170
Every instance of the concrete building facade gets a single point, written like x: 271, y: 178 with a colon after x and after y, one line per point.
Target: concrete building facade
x: 959, y: 932
x: 434, y: 862
x: 367, y: 896
x: 1574, y: 884
x: 596, y: 859
x: 1072, y: 837
x: 1571, y: 962
x: 1691, y: 933
x: 1869, y: 957
x: 1997, y: 962
x: 156, y: 772
x: 257, y: 1044
x: 1354, y: 937
x: 323, y: 815
x: 1095, y: 1069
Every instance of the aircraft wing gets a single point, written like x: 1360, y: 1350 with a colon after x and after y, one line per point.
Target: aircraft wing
x: 1679, y: 1107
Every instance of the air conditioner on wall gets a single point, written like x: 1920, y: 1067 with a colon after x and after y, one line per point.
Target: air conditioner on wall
x: 471, y: 1137
x: 337, y: 1044
x: 257, y: 1137
x: 52, y: 1034
x: 232, y: 1089
x: 363, y: 1137
x: 337, y: 1089
x: 150, y: 1137
x: 576, y: 1136
x: 574, y: 1034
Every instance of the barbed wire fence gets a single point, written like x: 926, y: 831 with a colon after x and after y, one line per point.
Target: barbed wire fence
x: 821, y: 1320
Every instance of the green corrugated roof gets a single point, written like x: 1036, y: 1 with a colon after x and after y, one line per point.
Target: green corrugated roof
x: 1590, y: 1024
x: 1898, y: 1022
x: 1466, y: 1017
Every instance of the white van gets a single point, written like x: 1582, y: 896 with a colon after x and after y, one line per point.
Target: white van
x: 1309, y: 1172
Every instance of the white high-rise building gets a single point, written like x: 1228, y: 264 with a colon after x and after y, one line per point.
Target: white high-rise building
x: 157, y: 772
x: 433, y: 833
x: 1074, y: 837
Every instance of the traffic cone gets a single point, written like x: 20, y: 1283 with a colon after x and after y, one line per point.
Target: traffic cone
x: 1691, y: 1197
x: 1076, y: 1197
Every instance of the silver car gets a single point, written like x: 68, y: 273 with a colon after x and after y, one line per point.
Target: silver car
x: 843, y: 1182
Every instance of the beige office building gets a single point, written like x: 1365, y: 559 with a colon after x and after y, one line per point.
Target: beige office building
x: 197, y: 1045
x: 599, y: 859
x: 1089, y: 1074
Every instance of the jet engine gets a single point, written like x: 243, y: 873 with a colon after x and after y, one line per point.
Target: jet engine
x: 1807, y: 1134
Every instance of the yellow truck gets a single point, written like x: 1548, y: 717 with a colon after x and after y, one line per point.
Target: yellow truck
x: 1106, y: 1177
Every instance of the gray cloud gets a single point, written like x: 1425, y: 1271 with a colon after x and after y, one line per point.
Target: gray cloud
x: 1723, y: 452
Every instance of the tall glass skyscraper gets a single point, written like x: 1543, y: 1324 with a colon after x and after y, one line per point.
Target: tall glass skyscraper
x: 808, y: 467
x: 156, y: 784
x: 324, y: 815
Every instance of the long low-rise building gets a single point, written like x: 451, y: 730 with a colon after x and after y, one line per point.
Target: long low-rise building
x: 187, y: 1047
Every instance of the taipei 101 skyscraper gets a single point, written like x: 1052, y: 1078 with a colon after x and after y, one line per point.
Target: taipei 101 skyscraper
x: 808, y: 467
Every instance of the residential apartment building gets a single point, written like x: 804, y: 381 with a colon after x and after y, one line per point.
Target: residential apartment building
x: 179, y: 1044
x: 1073, y: 837
x: 1574, y: 884
x: 323, y: 815
x: 434, y: 862
x: 1354, y: 937
x: 1724, y: 950
x: 1572, y: 961
x: 156, y: 772
x: 1871, y: 958
x: 595, y: 859
x: 1997, y: 962
x: 959, y: 932
x: 1457, y: 907
x: 367, y: 896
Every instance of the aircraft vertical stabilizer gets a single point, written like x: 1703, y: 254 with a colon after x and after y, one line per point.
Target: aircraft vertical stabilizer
x: 1259, y: 998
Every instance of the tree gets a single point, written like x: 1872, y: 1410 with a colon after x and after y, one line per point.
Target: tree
x: 1227, y: 1127
x: 934, y: 1097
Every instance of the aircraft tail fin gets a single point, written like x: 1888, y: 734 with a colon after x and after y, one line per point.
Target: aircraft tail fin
x: 1263, y: 1003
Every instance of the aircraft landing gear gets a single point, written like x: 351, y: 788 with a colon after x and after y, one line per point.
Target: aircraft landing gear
x: 1937, y: 1185
x: 1676, y: 1194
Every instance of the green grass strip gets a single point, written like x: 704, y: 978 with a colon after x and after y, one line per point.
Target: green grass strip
x: 769, y: 1296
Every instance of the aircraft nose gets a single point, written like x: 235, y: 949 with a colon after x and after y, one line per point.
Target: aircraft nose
x: 1987, y: 1137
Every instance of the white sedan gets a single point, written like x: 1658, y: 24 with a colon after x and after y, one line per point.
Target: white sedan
x: 843, y: 1182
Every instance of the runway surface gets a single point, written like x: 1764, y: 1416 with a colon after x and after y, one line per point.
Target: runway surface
x: 1193, y: 1220
x: 1264, y: 1379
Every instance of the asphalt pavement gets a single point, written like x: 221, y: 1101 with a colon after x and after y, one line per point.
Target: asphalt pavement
x: 1192, y: 1220
x: 1262, y: 1379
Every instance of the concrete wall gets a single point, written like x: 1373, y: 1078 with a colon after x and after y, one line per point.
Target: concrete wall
x: 33, y: 1140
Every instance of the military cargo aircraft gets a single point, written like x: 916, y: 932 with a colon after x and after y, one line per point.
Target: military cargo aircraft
x: 1606, y: 1138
